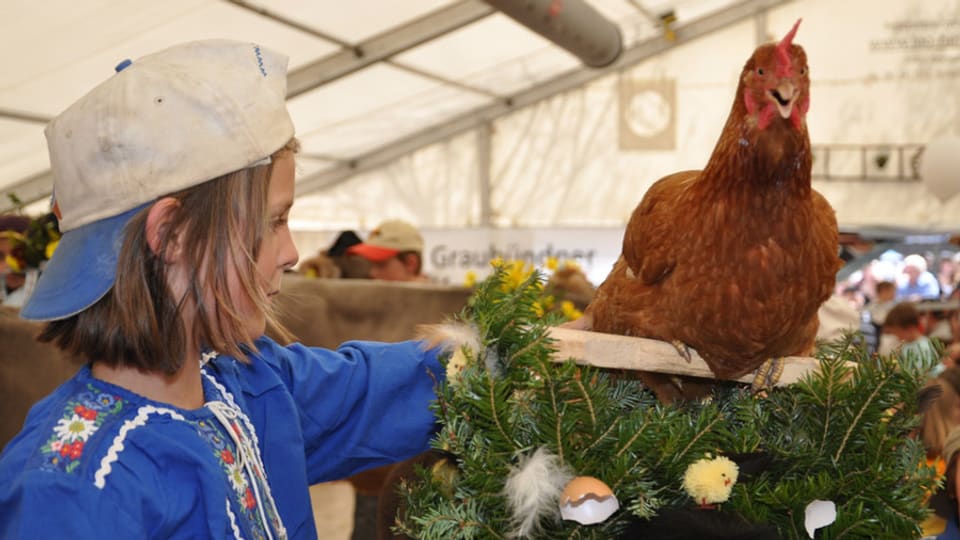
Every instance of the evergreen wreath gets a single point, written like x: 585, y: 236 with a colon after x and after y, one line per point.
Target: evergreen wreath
x: 841, y: 435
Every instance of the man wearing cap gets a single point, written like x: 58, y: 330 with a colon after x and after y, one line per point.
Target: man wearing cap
x: 395, y: 252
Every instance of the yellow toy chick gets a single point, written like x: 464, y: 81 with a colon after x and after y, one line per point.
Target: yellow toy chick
x: 710, y: 480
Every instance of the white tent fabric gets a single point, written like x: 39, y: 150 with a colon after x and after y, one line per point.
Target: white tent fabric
x: 469, y: 128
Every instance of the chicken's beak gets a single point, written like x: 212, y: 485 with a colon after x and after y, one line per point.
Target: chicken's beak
x: 784, y: 96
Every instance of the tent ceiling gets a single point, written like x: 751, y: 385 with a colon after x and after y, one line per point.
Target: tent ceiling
x: 368, y: 79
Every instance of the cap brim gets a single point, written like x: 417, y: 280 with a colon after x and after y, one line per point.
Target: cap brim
x: 372, y: 253
x: 81, y: 271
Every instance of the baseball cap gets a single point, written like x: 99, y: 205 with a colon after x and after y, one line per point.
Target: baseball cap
x: 389, y: 239
x: 344, y: 241
x: 162, y: 123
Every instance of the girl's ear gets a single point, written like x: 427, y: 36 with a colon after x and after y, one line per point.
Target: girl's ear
x: 159, y: 220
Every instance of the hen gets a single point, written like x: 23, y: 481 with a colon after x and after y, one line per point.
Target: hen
x: 733, y: 260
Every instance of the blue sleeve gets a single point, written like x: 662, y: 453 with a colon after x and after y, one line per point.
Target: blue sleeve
x: 364, y: 405
x: 47, y: 505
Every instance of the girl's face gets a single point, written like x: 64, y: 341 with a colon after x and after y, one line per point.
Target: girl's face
x: 277, y: 250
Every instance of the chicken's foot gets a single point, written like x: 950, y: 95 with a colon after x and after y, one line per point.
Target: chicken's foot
x: 767, y: 375
x: 683, y: 349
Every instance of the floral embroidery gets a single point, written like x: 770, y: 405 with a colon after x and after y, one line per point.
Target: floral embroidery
x: 237, y: 479
x: 82, y: 417
x: 74, y: 428
x: 223, y: 449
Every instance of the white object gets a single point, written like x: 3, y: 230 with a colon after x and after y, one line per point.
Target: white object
x: 940, y: 167
x: 532, y: 489
x: 587, y: 500
x: 819, y: 514
x: 165, y: 122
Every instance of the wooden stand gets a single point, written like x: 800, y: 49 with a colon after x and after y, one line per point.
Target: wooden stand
x: 623, y: 352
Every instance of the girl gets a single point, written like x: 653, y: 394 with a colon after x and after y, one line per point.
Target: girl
x: 173, y: 181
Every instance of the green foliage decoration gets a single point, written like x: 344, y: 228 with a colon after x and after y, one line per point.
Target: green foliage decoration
x: 841, y: 434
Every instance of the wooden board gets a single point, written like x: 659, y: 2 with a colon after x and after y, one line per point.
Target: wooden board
x: 640, y: 354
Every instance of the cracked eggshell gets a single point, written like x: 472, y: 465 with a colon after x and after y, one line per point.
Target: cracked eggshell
x: 587, y: 500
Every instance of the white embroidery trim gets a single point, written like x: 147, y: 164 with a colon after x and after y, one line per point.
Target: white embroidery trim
x: 106, y: 464
x: 143, y: 414
x: 207, y: 356
x: 233, y: 521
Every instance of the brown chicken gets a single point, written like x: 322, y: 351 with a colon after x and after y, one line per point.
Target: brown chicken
x: 733, y: 260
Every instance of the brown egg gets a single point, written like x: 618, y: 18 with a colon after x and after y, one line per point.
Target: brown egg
x: 587, y: 500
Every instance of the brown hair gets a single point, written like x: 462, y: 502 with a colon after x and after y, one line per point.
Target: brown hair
x: 937, y: 421
x: 902, y: 315
x: 884, y: 286
x: 138, y: 323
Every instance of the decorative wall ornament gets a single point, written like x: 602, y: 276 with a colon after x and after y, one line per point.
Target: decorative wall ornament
x: 647, y: 114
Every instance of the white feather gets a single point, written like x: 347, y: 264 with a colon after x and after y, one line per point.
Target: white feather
x: 452, y: 336
x: 492, y: 362
x: 533, y: 490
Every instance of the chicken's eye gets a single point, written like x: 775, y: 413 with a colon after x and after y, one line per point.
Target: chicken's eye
x: 760, y: 72
x: 803, y: 70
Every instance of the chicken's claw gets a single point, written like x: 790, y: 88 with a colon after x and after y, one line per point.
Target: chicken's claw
x: 683, y: 349
x: 767, y: 375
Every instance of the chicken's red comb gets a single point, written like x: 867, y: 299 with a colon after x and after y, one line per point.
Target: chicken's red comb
x: 783, y: 51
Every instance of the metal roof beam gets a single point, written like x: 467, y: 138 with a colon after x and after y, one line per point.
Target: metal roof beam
x: 24, y: 116
x: 562, y: 83
x: 385, y: 45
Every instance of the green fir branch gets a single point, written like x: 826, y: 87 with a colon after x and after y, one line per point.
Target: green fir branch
x: 842, y: 434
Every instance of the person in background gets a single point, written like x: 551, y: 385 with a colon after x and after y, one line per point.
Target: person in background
x: 395, y: 251
x: 903, y: 321
x: 883, y: 301
x: 174, y: 180
x: 937, y: 419
x: 951, y: 455
x: 915, y: 282
x: 875, y: 313
x: 334, y: 262
x: 11, y: 281
x: 947, y: 273
x: 351, y: 266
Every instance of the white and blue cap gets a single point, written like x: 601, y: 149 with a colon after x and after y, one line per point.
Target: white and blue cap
x: 165, y: 122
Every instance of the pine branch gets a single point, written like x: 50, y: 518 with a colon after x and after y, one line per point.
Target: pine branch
x: 840, y: 434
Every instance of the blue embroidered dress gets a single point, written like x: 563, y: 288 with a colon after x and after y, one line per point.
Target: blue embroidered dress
x: 97, y: 461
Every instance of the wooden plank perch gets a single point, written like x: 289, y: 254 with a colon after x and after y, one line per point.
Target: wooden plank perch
x: 641, y: 354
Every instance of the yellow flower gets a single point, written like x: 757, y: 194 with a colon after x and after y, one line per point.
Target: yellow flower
x: 51, y: 247
x: 552, y: 263
x: 470, y: 279
x: 516, y: 273
x: 497, y: 262
x: 570, y: 311
x: 538, y: 308
x: 13, y: 263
